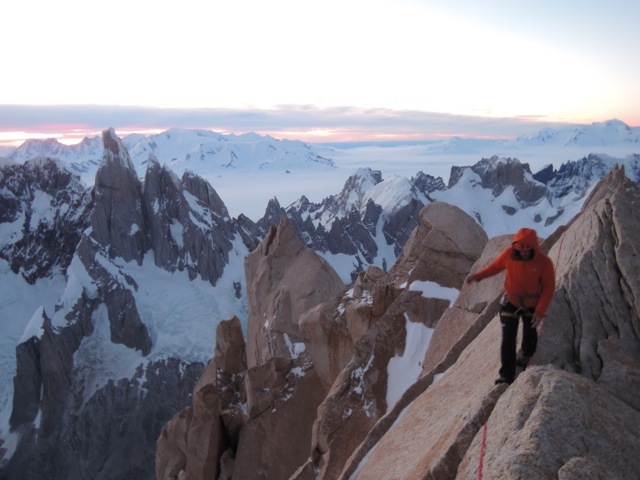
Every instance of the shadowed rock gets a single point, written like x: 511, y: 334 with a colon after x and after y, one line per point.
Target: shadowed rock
x: 117, y: 220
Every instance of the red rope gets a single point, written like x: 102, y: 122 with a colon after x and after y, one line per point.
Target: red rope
x: 482, y: 445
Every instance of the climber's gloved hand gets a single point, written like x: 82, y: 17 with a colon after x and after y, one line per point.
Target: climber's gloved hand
x: 472, y: 279
x: 537, y: 320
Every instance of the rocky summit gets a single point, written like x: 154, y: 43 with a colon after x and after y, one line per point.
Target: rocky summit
x: 393, y: 378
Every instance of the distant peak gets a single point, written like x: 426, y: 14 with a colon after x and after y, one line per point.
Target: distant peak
x: 115, y: 150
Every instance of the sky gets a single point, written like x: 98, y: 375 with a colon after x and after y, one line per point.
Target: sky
x: 329, y: 71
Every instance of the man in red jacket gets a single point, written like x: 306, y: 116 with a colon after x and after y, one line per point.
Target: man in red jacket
x: 528, y: 288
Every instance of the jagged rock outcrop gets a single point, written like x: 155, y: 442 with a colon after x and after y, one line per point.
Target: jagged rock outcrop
x: 412, y: 302
x: 193, y: 442
x: 578, y: 177
x: 187, y: 209
x: 499, y: 173
x: 443, y: 247
x: 118, y: 229
x: 117, y: 219
x: 256, y: 390
x: 272, y: 214
x: 281, y: 381
x: 277, y: 295
x: 428, y: 184
x: 43, y: 210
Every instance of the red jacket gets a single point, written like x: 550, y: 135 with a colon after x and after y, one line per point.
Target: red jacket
x: 528, y: 283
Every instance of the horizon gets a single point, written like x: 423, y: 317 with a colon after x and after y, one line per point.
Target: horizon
x: 366, y: 134
x: 321, y: 73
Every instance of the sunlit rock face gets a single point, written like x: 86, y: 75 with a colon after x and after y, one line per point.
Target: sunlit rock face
x: 278, y: 294
x: 594, y: 325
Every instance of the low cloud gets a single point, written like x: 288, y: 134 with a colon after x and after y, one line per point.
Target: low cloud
x: 306, y: 122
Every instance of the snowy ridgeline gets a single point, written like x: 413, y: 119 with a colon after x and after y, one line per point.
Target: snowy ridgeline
x: 249, y: 170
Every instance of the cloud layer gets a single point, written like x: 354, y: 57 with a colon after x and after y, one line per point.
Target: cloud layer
x: 309, y: 123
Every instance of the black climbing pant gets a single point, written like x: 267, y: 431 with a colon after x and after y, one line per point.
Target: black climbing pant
x: 510, y: 316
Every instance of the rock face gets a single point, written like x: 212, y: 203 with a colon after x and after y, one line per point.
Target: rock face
x: 596, y: 309
x: 442, y: 248
x: 195, y: 439
x: 281, y: 381
x: 187, y: 209
x: 114, y: 222
x: 444, y: 417
x: 278, y: 295
x: 497, y: 174
x: 557, y: 425
x: 579, y: 176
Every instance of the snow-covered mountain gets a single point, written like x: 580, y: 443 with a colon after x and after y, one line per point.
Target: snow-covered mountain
x: 130, y: 273
x: 601, y: 134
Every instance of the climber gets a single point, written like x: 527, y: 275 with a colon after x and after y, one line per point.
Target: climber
x: 528, y: 288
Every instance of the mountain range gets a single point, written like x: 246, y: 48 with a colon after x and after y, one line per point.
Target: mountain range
x: 249, y: 170
x: 119, y: 259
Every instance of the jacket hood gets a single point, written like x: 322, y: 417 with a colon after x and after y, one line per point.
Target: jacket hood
x: 527, y: 236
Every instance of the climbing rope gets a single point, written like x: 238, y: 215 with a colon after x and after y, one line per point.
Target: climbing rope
x: 482, y: 445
